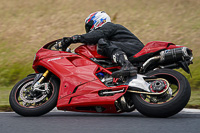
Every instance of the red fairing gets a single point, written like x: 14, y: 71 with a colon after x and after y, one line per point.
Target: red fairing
x: 154, y: 46
x: 89, y: 51
x: 79, y: 85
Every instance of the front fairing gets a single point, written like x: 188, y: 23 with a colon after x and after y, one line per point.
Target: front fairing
x: 79, y: 85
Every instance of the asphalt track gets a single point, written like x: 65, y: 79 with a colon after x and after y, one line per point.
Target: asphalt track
x: 187, y: 121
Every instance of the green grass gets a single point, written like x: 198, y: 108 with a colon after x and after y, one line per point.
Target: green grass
x: 194, y: 100
x: 4, y: 95
x: 5, y: 108
x: 13, y: 73
x: 195, y: 72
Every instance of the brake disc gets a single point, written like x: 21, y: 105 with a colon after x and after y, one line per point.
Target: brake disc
x: 24, y: 97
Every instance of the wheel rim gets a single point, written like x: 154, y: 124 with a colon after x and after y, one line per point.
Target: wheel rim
x: 174, y: 87
x: 25, y: 99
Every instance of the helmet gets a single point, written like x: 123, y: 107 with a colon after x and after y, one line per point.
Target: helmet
x: 95, y: 20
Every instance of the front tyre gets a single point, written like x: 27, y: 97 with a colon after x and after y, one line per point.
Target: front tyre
x: 169, y: 103
x: 27, y: 103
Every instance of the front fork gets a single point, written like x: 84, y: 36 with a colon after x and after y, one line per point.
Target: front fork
x: 43, y: 76
x: 37, y: 83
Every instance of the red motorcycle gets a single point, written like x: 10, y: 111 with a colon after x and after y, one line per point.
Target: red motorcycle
x: 81, y: 81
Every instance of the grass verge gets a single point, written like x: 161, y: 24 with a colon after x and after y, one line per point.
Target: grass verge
x: 4, y: 95
x: 5, y: 108
x: 194, y: 100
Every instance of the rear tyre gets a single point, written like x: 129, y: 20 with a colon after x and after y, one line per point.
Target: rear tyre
x: 165, y: 105
x: 26, y: 104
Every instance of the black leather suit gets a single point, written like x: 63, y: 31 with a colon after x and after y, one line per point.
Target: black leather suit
x: 116, y: 36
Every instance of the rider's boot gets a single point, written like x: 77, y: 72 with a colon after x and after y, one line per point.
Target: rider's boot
x: 127, y: 68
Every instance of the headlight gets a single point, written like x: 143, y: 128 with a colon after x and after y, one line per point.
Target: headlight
x: 34, y: 58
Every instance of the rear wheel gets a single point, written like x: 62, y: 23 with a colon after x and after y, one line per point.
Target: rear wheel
x: 169, y: 103
x: 25, y: 102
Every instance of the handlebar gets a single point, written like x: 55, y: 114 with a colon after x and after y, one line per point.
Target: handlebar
x: 59, y: 45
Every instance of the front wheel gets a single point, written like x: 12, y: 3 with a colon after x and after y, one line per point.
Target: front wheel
x: 25, y: 102
x: 169, y: 103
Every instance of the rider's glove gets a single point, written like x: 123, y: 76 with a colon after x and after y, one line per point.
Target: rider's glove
x: 65, y: 42
x: 76, y: 38
x: 69, y: 40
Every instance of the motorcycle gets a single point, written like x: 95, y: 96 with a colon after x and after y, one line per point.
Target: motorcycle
x: 81, y: 80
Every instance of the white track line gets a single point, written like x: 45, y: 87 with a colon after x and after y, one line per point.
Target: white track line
x: 185, y: 110
x: 6, y: 112
x: 188, y: 110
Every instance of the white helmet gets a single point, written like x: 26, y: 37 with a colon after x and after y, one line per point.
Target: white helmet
x: 95, y: 20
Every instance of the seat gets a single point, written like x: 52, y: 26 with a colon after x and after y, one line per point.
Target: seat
x: 149, y: 50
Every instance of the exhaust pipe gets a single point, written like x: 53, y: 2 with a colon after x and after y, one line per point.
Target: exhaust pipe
x: 174, y: 55
x: 169, y: 56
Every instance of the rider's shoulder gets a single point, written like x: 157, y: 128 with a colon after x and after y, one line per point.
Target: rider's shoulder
x: 109, y: 25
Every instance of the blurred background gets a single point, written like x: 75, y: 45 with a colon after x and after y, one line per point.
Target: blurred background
x: 25, y: 26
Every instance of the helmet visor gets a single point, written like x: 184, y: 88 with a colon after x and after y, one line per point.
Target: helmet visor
x: 88, y: 26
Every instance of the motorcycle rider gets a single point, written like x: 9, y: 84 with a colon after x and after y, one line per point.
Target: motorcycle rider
x: 113, y: 41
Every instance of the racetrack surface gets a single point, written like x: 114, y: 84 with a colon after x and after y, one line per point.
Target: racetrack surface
x: 187, y: 121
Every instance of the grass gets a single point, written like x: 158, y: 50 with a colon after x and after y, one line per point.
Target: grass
x: 4, y: 95
x: 5, y: 108
x: 194, y: 100
x: 26, y: 26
